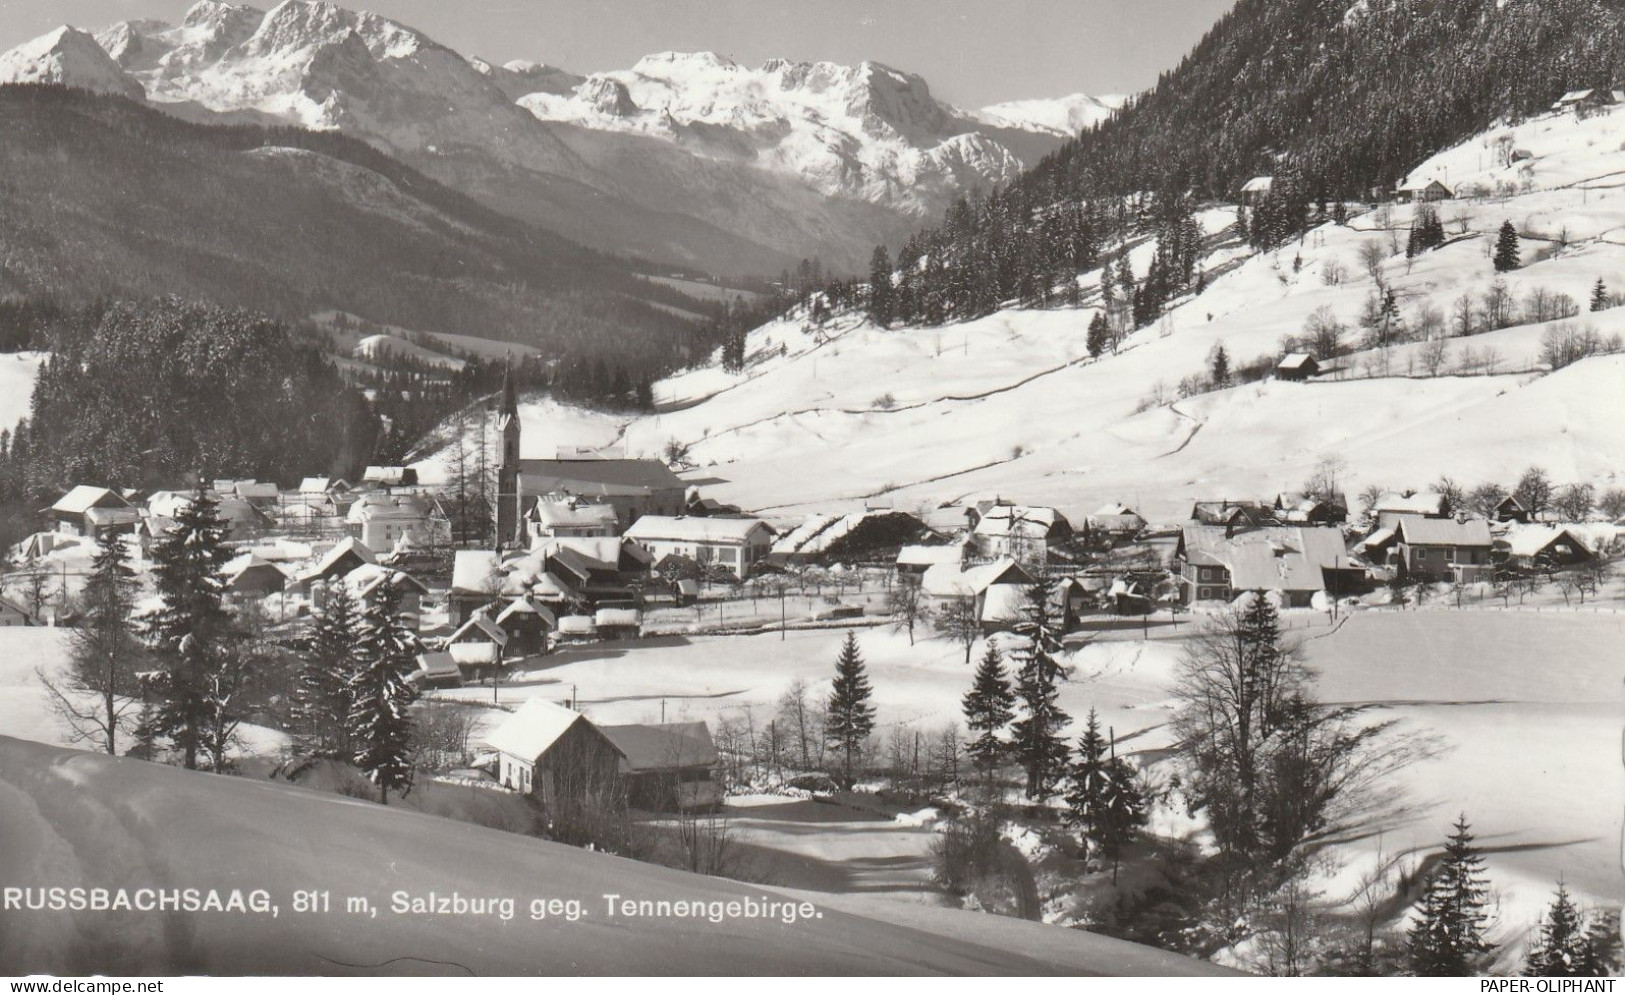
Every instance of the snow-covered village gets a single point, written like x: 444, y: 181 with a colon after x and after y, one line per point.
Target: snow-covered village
x: 769, y: 521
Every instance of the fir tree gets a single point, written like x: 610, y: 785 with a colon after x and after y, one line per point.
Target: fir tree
x: 189, y: 631
x: 324, y: 696
x: 382, y: 694
x: 1506, y: 248
x: 988, y: 705
x: 104, y: 652
x: 1123, y: 809
x: 1038, y: 744
x: 1563, y: 947
x: 1447, y: 937
x: 880, y: 287
x: 1099, y: 334
x: 1087, y: 788
x: 1599, y: 296
x: 851, y: 718
x: 1221, y: 367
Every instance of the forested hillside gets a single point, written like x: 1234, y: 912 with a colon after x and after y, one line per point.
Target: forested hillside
x: 101, y: 197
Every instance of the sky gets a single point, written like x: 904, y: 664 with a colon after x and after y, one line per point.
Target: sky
x: 972, y: 52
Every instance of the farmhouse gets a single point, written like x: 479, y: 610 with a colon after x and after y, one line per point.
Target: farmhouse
x: 734, y: 544
x: 1512, y: 510
x: 1117, y: 521
x: 90, y: 511
x: 992, y: 587
x: 527, y: 624
x: 1020, y: 532
x: 667, y: 766
x: 1392, y: 508
x: 1584, y: 101
x: 1546, y: 546
x: 381, y: 521
x: 1443, y: 548
x: 633, y: 487
x: 555, y: 756
x: 337, y: 562
x: 1232, y: 514
x: 1422, y: 191
x: 916, y: 560
x: 1297, y: 562
x: 1293, y: 508
x: 367, y: 581
x: 254, y: 576
x: 1256, y: 189
x: 1297, y: 366
x: 478, y: 645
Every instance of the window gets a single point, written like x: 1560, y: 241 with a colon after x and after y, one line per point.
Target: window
x: 727, y: 554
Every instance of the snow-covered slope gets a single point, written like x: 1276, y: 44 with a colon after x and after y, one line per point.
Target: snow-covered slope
x: 1011, y: 404
x: 70, y: 57
x: 74, y: 819
x: 684, y: 157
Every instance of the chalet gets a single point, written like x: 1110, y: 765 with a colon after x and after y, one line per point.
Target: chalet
x: 13, y: 614
x: 1020, y: 532
x: 734, y: 544
x: 1117, y: 521
x: 1546, y: 547
x: 555, y: 756
x: 1443, y: 548
x: 90, y: 511
x: 345, y: 556
x: 633, y: 487
x: 381, y: 521
x: 1392, y: 508
x: 566, y: 515
x: 252, y: 576
x: 668, y: 766
x: 1256, y: 189
x: 390, y: 476
x: 1512, y: 510
x: 1294, y: 508
x: 991, y: 587
x: 479, y: 645
x: 527, y: 624
x: 577, y: 629
x: 1583, y: 102
x: 477, y: 580
x: 1218, y: 563
x: 916, y: 560
x: 1002, y: 607
x: 1233, y: 514
x: 1297, y: 366
x: 600, y: 571
x: 1422, y: 191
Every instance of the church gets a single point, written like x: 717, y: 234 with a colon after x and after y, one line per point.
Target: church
x: 633, y: 487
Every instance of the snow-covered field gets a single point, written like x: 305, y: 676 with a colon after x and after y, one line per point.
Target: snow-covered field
x: 17, y: 373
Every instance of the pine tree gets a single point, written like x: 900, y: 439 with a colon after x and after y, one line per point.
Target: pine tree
x: 189, y: 632
x: 880, y: 287
x: 851, y: 717
x: 324, y: 696
x: 1087, y: 789
x: 1123, y: 808
x: 1599, y: 296
x: 1562, y: 949
x: 988, y: 705
x: 1221, y: 367
x: 1099, y: 334
x: 104, y: 652
x: 1447, y: 937
x: 380, y: 721
x: 1038, y: 744
x: 1506, y: 248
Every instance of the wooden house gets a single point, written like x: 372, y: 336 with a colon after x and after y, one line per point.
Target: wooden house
x: 336, y: 563
x: 556, y: 516
x: 1256, y: 189
x: 1443, y: 548
x: 1583, y: 102
x: 479, y: 646
x: 528, y: 624
x: 438, y: 670
x: 734, y: 544
x: 1297, y: 366
x: 1546, y: 547
x: 1512, y: 510
x: 90, y: 511
x: 557, y: 757
x: 1023, y: 533
x: 1294, y: 508
x: 252, y: 576
x: 1422, y: 192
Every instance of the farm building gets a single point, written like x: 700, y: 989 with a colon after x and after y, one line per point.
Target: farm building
x: 1392, y: 508
x: 1256, y: 189
x: 337, y: 563
x: 1020, y: 532
x: 1422, y: 191
x: 916, y: 560
x: 438, y: 670
x: 527, y: 624
x: 1512, y: 510
x: 1293, y: 508
x: 1297, y: 562
x: 667, y: 766
x: 567, y: 515
x: 1297, y: 366
x: 478, y: 645
x: 90, y: 511
x: 1443, y: 548
x: 253, y: 576
x: 1546, y: 547
x: 633, y: 487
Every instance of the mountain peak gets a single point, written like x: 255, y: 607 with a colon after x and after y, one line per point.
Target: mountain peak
x: 662, y: 63
x: 69, y: 57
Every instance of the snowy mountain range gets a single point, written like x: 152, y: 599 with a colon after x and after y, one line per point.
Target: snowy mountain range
x: 688, y: 158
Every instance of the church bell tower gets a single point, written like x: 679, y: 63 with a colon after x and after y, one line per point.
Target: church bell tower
x: 509, y: 529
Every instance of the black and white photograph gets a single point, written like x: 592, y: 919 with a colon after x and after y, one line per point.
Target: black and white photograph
x: 776, y: 488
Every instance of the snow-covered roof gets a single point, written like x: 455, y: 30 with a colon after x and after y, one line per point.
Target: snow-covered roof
x: 925, y: 556
x: 1019, y: 521
x: 1530, y: 540
x: 525, y: 606
x: 951, y: 580
x: 349, y: 545
x: 572, y: 513
x: 614, y: 617
x: 1112, y: 509
x: 371, y: 507
x: 533, y: 729
x: 662, y: 747
x: 682, y: 528
x: 251, y: 489
x: 472, y: 570
x: 1419, y: 185
x: 1258, y: 184
x: 1004, y: 602
x: 440, y: 664
x: 1422, y: 503
x: 84, y: 497
x: 577, y: 625
x: 479, y: 628
x: 1443, y: 532
x: 1295, y: 361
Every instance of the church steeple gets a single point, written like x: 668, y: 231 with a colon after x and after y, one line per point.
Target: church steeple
x: 507, y: 510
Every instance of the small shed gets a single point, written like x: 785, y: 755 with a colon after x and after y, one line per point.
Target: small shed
x: 478, y: 645
x: 618, y: 623
x: 527, y: 624
x: 1297, y: 366
x: 438, y: 670
x: 577, y: 628
x: 556, y: 756
x: 252, y: 576
x: 667, y: 766
x: 1512, y: 510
